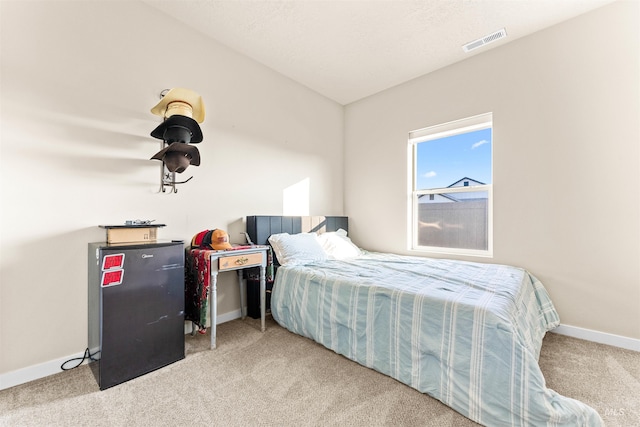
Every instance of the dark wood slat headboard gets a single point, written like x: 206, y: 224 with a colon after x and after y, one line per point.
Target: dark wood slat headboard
x: 260, y: 227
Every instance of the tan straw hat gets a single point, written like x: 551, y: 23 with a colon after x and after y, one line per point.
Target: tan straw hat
x: 184, y: 102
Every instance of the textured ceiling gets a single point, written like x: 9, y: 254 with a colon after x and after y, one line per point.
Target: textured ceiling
x: 350, y: 49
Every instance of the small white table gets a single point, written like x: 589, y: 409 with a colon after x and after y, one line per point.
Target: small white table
x: 237, y: 260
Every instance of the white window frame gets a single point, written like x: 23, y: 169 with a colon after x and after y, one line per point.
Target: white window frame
x: 482, y: 121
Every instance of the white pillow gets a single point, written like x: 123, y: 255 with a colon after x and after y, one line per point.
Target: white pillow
x: 293, y: 249
x: 337, y: 245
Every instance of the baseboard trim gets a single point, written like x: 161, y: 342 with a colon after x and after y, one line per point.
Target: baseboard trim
x: 599, y: 337
x: 31, y: 373
x: 226, y: 317
x: 35, y: 372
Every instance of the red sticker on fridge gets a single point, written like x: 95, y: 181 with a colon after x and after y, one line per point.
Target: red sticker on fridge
x: 112, y: 278
x: 112, y: 261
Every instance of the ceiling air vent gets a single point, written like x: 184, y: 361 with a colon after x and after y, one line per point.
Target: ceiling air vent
x: 485, y: 40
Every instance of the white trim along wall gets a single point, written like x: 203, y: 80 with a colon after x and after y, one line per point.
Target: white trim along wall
x: 599, y: 337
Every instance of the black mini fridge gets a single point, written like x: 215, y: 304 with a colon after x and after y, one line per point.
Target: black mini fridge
x: 136, y: 309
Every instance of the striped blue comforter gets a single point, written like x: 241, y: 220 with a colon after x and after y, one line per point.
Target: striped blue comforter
x: 468, y: 334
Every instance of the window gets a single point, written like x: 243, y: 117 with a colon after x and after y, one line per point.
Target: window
x: 451, y: 187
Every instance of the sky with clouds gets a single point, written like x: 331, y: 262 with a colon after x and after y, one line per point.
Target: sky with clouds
x: 441, y: 162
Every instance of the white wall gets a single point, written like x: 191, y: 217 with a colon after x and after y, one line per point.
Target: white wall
x: 566, y: 112
x: 78, y: 81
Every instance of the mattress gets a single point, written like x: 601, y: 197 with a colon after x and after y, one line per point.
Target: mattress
x: 468, y: 334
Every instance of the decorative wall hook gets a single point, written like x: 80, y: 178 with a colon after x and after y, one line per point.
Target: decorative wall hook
x: 168, y: 180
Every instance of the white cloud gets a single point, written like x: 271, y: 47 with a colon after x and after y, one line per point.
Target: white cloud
x: 429, y: 174
x: 479, y: 143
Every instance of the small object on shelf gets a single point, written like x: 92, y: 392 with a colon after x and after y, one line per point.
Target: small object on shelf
x: 147, y: 233
x: 138, y: 221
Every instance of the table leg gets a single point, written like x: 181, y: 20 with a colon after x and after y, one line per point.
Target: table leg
x: 213, y: 301
x: 263, y: 298
x: 243, y: 295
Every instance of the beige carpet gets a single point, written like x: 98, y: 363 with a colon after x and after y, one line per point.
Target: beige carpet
x: 280, y: 379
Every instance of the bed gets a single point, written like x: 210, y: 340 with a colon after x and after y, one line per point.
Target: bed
x: 468, y: 334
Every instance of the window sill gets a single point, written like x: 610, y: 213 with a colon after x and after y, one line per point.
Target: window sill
x: 452, y: 251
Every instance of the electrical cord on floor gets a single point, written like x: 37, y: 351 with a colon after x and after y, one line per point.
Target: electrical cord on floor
x: 86, y: 356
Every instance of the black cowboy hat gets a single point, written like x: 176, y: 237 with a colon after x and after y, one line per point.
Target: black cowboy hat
x: 178, y: 128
